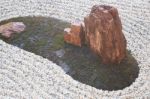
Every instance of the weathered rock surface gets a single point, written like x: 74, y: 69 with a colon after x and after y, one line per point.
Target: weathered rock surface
x: 8, y: 29
x: 104, y: 34
x: 74, y: 35
x: 102, y: 31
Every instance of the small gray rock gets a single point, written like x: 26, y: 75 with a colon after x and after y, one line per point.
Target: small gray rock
x: 60, y: 53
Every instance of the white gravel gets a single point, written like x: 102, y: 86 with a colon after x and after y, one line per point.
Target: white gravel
x: 24, y: 75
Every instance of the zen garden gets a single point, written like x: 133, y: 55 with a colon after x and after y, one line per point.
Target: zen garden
x: 93, y: 51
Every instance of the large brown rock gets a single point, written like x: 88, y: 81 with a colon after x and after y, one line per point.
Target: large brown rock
x: 8, y: 29
x: 103, y: 33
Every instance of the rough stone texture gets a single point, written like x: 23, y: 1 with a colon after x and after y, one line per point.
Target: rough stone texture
x: 8, y: 29
x: 74, y: 34
x: 25, y: 75
x: 103, y: 33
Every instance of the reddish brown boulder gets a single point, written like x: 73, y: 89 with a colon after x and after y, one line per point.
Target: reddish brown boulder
x: 8, y: 29
x: 74, y: 35
x: 103, y: 33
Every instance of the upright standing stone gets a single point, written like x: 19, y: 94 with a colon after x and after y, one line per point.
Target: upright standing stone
x: 103, y: 33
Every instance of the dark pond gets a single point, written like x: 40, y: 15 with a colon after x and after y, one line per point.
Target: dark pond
x: 44, y: 36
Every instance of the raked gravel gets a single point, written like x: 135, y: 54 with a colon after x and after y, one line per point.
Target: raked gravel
x: 24, y: 75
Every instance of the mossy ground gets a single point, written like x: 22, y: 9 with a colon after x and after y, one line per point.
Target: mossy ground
x: 58, y: 42
x: 44, y: 36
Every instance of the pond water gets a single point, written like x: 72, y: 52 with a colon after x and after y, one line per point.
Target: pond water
x: 44, y: 36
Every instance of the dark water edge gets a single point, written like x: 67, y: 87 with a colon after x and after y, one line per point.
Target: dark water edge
x: 44, y: 36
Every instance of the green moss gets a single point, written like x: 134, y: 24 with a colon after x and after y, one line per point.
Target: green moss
x: 58, y: 42
x: 41, y: 42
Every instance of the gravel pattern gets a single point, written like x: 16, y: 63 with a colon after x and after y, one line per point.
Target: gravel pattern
x: 24, y: 75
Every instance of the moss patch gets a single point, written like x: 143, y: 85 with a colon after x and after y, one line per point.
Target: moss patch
x: 58, y: 42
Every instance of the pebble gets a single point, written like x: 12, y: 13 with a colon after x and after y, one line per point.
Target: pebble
x: 60, y: 53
